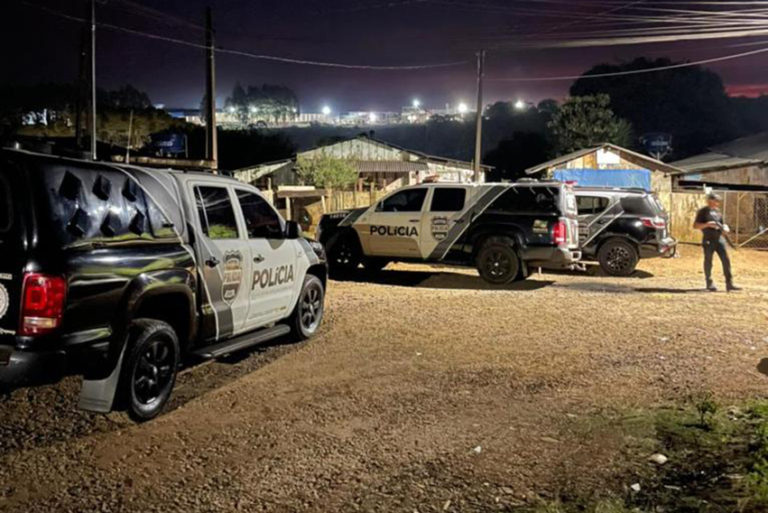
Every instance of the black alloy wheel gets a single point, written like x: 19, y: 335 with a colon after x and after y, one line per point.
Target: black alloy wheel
x: 149, y: 369
x: 618, y: 258
x: 497, y: 261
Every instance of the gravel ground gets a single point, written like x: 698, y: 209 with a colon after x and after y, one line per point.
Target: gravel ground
x: 426, y: 390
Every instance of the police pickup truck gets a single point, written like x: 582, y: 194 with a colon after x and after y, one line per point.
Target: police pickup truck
x: 502, y: 229
x: 121, y: 274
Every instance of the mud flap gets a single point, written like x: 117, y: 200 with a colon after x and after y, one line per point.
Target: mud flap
x: 98, y: 395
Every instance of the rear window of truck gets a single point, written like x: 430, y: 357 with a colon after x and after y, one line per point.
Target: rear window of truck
x: 646, y: 206
x: 6, y: 207
x: 528, y: 200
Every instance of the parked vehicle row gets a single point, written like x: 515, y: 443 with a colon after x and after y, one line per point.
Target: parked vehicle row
x: 504, y: 230
x: 121, y: 274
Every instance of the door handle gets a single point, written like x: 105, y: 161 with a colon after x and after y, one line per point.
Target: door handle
x: 212, y: 262
x: 414, y: 220
x: 458, y: 221
x: 258, y: 259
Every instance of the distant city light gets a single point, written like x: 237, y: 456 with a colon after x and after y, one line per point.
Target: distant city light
x: 520, y: 105
x: 463, y: 108
x: 254, y: 109
x: 326, y: 110
x: 232, y: 109
x: 372, y: 117
x: 416, y: 103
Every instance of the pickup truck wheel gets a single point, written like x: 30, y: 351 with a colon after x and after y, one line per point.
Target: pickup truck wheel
x: 150, y: 366
x: 617, y: 257
x: 308, y: 314
x: 497, y: 261
x: 344, y: 254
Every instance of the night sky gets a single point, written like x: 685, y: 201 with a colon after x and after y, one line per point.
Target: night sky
x: 38, y: 46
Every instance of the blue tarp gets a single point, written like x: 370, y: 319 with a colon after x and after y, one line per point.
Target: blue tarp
x: 640, y: 178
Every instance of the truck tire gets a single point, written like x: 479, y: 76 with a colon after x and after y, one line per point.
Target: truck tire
x: 344, y: 254
x: 618, y: 257
x: 497, y: 261
x: 308, y: 314
x: 149, y: 368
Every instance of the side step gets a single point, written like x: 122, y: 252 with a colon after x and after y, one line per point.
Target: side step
x: 241, y: 342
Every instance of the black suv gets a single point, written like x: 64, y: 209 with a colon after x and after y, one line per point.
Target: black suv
x: 618, y: 227
x: 120, y: 273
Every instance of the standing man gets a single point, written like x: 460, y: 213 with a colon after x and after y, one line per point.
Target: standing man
x: 710, y: 221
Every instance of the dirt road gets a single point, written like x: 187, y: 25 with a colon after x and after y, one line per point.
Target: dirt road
x: 426, y: 391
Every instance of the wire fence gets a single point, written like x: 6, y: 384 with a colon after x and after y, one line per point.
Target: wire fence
x: 746, y: 213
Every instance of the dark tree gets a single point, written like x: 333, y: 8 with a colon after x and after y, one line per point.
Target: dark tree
x: 689, y: 103
x: 513, y: 156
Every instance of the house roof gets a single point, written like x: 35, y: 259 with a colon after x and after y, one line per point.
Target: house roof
x: 629, y: 155
x: 389, y: 166
x: 267, y: 168
x: 746, y: 151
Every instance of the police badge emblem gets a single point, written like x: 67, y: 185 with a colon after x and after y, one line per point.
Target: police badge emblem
x: 4, y: 301
x: 233, y: 276
x: 439, y: 227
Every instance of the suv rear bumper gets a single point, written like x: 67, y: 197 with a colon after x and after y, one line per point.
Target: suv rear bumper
x: 665, y: 248
x: 25, y: 368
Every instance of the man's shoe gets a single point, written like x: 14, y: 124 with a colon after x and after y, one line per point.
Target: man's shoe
x: 730, y: 287
x: 711, y: 287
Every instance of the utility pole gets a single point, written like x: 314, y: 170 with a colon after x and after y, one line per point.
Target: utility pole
x: 479, y: 117
x: 211, y: 144
x: 82, y: 85
x: 93, y: 80
x: 130, y: 138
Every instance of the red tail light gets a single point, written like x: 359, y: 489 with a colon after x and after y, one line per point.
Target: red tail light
x: 560, y: 233
x: 654, y: 222
x: 42, y: 304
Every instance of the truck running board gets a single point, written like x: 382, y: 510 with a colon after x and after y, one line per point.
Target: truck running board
x: 242, y: 342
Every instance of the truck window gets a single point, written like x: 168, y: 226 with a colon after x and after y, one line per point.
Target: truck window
x: 591, y: 205
x: 261, y: 220
x: 6, y: 207
x: 448, y: 199
x: 527, y: 200
x: 639, y: 206
x: 410, y: 200
x: 216, y: 214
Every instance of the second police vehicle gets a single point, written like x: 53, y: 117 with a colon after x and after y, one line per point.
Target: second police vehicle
x: 502, y: 229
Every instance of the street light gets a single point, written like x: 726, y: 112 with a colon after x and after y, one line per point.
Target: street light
x: 326, y: 110
x: 254, y: 109
x: 232, y: 109
x: 372, y: 117
x: 520, y: 105
x: 416, y: 103
x: 463, y: 108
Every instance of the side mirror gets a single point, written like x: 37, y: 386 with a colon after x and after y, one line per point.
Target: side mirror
x: 292, y: 230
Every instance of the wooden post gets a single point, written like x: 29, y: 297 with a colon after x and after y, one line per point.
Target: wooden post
x: 738, y: 215
x: 322, y: 200
x: 372, y: 196
x: 288, y: 208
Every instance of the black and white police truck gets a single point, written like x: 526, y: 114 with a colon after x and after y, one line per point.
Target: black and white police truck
x: 120, y: 274
x: 504, y: 229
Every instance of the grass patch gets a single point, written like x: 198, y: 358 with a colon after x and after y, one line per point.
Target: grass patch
x: 717, y: 460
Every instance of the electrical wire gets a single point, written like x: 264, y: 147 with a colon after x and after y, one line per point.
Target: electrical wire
x: 633, y: 72
x: 244, y: 53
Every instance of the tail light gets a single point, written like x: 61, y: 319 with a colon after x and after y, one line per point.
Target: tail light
x: 560, y: 233
x: 43, y: 299
x: 654, y: 222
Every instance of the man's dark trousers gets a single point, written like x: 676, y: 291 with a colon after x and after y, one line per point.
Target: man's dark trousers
x: 712, y: 246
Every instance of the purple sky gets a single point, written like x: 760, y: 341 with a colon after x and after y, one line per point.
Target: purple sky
x: 41, y: 47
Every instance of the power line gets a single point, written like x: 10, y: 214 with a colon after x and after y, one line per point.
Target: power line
x: 244, y: 53
x: 634, y: 72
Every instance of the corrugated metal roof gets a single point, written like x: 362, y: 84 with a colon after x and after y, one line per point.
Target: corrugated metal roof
x: 746, y: 151
x: 626, y: 154
x: 388, y: 166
